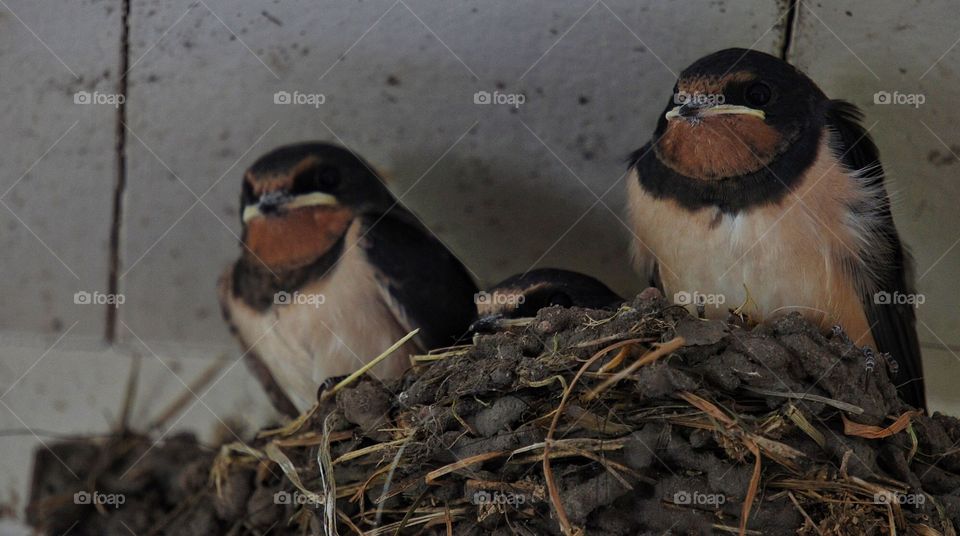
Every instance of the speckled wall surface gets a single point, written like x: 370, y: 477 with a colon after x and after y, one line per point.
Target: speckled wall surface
x: 506, y: 186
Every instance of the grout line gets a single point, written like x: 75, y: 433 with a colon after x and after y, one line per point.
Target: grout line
x: 793, y: 6
x: 120, y: 148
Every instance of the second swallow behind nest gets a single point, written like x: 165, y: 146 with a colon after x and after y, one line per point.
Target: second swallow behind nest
x: 522, y: 295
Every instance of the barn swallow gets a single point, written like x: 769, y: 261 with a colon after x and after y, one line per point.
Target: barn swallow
x: 759, y: 189
x: 333, y: 272
x: 522, y: 295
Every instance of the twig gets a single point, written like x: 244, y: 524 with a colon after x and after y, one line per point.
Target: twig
x: 804, y: 513
x: 188, y: 395
x: 376, y: 447
x: 448, y: 519
x: 130, y: 395
x: 856, y: 410
x: 875, y: 432
x: 565, y: 524
x: 712, y: 410
x: 327, y: 480
x: 390, y: 473
x: 664, y: 349
x: 432, y: 476
x: 801, y: 421
x: 363, y: 370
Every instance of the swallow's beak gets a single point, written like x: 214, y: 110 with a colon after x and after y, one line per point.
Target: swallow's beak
x: 279, y: 201
x: 696, y: 111
x: 486, y: 324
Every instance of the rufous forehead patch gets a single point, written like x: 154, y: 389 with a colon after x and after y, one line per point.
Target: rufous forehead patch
x: 265, y: 184
x: 712, y: 85
x: 273, y: 181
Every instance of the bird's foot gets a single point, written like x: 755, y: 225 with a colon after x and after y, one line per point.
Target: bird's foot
x: 330, y: 383
x: 837, y: 332
x: 869, y: 358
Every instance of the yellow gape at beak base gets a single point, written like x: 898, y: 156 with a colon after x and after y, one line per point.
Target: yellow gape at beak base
x: 720, y: 109
x: 306, y: 200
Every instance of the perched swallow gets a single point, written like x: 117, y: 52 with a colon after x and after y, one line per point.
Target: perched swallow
x: 759, y: 189
x: 333, y: 272
x: 522, y: 295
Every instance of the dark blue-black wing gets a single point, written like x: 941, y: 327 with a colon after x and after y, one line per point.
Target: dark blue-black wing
x: 893, y: 321
x: 426, y: 286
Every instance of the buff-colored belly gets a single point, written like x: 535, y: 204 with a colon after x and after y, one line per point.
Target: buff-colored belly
x: 764, y: 262
x: 329, y: 328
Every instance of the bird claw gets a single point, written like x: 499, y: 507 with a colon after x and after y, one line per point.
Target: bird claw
x: 329, y: 383
x: 486, y: 324
x: 870, y: 359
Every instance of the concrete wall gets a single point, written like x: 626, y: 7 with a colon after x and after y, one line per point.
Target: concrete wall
x: 506, y: 188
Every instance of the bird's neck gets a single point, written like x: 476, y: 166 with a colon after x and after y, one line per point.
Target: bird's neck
x: 295, y: 238
x: 770, y: 184
x: 257, y: 283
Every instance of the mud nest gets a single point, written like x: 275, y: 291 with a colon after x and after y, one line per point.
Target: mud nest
x: 644, y: 420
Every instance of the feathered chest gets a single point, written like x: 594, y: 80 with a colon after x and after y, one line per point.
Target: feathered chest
x: 801, y: 253
x: 328, y: 326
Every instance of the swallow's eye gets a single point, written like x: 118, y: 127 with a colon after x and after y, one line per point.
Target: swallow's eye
x: 758, y: 94
x: 328, y: 178
x: 561, y: 299
x: 321, y: 179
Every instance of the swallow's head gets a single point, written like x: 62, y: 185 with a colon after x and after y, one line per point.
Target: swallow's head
x: 299, y: 200
x: 733, y: 113
x: 522, y: 295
